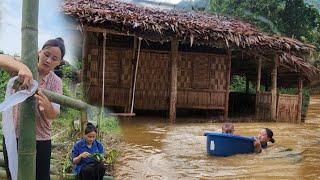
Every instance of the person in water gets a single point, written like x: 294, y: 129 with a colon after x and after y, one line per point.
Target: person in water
x: 88, y: 167
x: 228, y: 128
x: 261, y: 141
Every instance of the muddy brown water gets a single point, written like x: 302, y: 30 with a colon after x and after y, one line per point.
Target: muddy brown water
x: 153, y: 149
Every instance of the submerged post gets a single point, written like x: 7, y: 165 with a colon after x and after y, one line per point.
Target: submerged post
x: 274, y: 75
x: 226, y: 98
x: 300, y: 86
x: 258, y: 87
x: 29, y: 54
x: 174, y: 80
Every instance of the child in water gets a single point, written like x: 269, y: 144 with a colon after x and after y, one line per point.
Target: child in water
x: 261, y: 141
x: 228, y: 128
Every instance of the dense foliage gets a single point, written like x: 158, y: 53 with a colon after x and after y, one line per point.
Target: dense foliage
x: 292, y: 18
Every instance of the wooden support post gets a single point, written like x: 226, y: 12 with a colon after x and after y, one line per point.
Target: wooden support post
x: 300, y: 86
x: 128, y: 106
x: 174, y: 80
x: 258, y: 88
x: 274, y: 76
x: 228, y: 74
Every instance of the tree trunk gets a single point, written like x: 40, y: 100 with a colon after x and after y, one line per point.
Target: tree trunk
x: 29, y: 55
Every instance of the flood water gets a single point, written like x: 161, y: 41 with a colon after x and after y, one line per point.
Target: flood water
x: 153, y: 149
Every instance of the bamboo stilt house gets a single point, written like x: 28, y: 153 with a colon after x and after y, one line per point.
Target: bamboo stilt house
x: 166, y: 60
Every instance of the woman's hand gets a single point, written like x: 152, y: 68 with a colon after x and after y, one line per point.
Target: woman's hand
x: 45, y: 105
x: 24, y: 76
x: 257, y: 146
x: 77, y: 159
x: 15, y: 67
x: 84, y: 155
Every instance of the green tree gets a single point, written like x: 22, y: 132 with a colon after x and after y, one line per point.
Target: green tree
x: 299, y: 20
x: 292, y: 18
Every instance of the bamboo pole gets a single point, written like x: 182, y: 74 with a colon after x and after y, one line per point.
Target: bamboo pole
x: 29, y: 54
x: 84, y: 63
x: 128, y: 108
x: 174, y: 80
x: 274, y: 76
x: 103, y: 69
x: 300, y: 86
x: 103, y: 81
x: 226, y: 99
x: 66, y: 101
x: 258, y: 87
x: 135, y: 76
x: 72, y: 103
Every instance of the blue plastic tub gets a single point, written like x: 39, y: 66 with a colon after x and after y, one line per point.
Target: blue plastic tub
x: 220, y: 144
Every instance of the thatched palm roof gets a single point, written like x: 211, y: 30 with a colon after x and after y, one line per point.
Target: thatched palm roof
x: 189, y: 27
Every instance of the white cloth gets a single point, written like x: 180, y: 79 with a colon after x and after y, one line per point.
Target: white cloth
x: 7, y: 122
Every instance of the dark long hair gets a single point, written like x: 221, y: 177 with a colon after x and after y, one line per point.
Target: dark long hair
x: 57, y: 42
x: 270, y: 134
x: 90, y: 128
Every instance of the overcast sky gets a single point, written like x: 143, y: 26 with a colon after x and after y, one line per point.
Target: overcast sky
x: 51, y: 25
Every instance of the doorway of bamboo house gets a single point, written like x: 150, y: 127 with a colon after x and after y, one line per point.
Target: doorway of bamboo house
x: 243, y: 86
x: 263, y: 89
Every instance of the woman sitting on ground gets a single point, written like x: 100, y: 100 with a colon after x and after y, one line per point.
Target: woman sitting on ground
x: 86, y: 166
x: 261, y: 141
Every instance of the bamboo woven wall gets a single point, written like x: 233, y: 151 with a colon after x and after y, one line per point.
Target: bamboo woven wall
x: 264, y: 105
x: 152, y: 86
x: 117, y: 76
x: 201, y: 79
x: 287, y: 108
